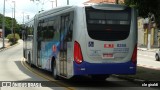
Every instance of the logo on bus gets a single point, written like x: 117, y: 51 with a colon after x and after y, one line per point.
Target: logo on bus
x: 108, y: 45
x: 90, y: 44
x: 121, y: 45
x: 54, y: 48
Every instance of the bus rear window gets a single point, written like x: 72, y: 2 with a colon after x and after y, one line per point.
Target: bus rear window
x: 108, y: 25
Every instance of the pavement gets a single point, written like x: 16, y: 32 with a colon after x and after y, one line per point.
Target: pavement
x: 7, y: 44
x: 150, y: 50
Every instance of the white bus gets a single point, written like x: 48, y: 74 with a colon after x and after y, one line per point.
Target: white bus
x: 94, y: 40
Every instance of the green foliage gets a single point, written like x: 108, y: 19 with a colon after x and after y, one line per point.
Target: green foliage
x: 8, y: 25
x: 145, y: 7
x: 11, y: 38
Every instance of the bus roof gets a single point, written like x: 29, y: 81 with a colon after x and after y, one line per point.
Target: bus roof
x: 54, y: 10
x: 109, y: 6
x: 96, y: 6
x: 64, y: 8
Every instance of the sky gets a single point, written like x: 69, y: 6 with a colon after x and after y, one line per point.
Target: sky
x: 28, y: 8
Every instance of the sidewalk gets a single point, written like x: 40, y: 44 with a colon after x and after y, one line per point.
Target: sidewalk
x: 7, y: 44
x: 150, y: 50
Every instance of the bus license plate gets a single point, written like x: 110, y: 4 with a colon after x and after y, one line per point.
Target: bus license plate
x: 107, y: 55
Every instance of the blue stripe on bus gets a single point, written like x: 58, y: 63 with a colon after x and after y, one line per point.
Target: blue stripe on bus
x: 86, y: 68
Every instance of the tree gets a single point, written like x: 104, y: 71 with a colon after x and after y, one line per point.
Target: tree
x: 1, y: 16
x: 145, y: 7
x: 8, y: 25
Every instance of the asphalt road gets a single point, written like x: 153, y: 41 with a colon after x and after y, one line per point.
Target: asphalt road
x: 12, y: 69
x: 147, y: 59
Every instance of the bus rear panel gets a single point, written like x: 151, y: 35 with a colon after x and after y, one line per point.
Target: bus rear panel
x: 110, y: 42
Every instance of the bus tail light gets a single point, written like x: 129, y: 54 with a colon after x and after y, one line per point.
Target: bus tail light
x: 134, y: 55
x: 78, y: 58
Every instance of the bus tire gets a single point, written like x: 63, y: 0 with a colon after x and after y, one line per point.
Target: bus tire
x: 54, y: 70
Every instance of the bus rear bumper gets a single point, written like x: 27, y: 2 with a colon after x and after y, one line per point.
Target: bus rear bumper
x: 86, y: 68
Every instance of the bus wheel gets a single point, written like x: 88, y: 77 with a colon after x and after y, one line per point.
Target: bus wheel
x: 99, y: 77
x: 54, y: 71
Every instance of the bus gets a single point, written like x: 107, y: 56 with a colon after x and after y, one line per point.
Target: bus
x: 93, y: 40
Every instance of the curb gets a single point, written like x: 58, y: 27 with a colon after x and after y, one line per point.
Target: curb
x: 154, y: 50
x: 8, y: 47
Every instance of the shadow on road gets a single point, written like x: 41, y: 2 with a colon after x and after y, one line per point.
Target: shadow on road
x: 32, y: 76
x: 78, y: 81
x: 146, y: 74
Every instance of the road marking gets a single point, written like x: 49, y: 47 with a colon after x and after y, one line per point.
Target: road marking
x: 44, y: 76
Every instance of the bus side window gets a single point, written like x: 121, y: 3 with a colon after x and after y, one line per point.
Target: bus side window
x: 39, y: 32
x: 25, y: 34
x: 70, y: 27
x: 69, y: 34
x: 50, y: 32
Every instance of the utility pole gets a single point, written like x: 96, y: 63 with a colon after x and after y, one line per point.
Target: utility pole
x: 14, y: 21
x: 3, y: 26
x: 56, y: 2
x: 42, y: 9
x: 28, y: 17
x: 23, y: 17
x: 52, y: 3
x: 67, y: 2
x: 150, y: 24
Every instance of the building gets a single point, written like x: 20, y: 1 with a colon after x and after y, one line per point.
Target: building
x: 141, y: 33
x: 0, y: 33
